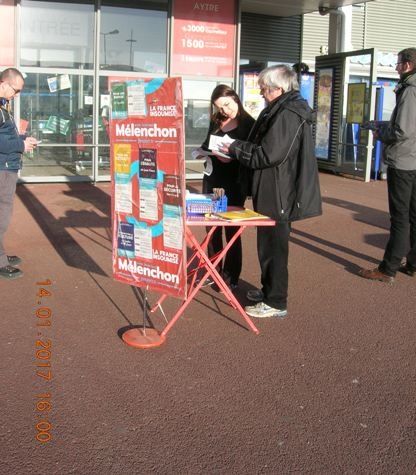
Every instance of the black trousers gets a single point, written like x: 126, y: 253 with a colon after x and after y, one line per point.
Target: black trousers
x: 233, y: 260
x: 402, y: 205
x: 273, y: 252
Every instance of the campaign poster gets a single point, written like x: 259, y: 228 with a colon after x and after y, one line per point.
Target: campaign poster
x: 204, y: 38
x: 148, y: 183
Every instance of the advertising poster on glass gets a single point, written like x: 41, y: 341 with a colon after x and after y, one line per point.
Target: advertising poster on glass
x: 148, y: 184
x: 323, y: 119
x: 356, y: 103
x: 253, y: 101
x: 204, y: 38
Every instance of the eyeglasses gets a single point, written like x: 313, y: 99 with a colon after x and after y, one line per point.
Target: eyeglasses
x: 16, y: 91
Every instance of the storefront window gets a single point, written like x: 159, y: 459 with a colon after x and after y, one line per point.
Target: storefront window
x: 57, y: 34
x: 134, y: 36
x: 58, y: 110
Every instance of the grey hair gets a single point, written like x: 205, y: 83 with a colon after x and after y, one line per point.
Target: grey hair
x: 279, y: 76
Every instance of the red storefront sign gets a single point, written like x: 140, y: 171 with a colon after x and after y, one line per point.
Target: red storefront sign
x: 148, y: 184
x: 7, y: 45
x: 204, y: 38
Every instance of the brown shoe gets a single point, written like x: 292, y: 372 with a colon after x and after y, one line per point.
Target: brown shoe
x: 375, y: 274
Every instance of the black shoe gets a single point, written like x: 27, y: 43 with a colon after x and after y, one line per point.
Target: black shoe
x: 407, y: 269
x: 14, y: 260
x: 10, y: 272
x: 207, y: 282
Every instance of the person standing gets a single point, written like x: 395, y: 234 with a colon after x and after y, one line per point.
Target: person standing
x: 399, y: 139
x: 228, y: 117
x: 12, y: 145
x: 280, y: 150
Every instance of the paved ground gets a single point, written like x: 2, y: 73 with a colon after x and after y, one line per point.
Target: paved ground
x: 329, y: 390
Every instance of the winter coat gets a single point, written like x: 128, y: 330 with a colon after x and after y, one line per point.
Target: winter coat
x: 280, y: 150
x: 399, y: 136
x: 11, y: 143
x: 232, y: 176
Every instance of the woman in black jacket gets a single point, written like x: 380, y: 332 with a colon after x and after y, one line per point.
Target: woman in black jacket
x: 280, y: 150
x: 228, y: 117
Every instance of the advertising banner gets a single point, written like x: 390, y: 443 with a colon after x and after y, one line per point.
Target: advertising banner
x: 148, y: 184
x: 204, y: 37
x: 7, y: 45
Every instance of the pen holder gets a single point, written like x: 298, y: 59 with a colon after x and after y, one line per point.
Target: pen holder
x: 206, y: 204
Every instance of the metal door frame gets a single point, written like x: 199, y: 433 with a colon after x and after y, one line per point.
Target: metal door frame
x: 337, y: 62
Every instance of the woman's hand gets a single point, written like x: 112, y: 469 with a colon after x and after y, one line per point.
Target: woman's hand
x: 198, y: 154
x: 218, y: 192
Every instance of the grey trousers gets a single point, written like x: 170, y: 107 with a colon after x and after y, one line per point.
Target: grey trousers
x: 8, y: 180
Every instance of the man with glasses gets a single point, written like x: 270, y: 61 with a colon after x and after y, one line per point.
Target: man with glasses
x: 285, y: 187
x: 12, y: 145
x: 399, y: 139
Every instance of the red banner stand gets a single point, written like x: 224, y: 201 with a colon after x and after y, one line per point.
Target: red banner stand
x: 143, y: 338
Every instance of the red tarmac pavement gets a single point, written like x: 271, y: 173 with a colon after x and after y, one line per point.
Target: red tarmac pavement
x: 331, y: 389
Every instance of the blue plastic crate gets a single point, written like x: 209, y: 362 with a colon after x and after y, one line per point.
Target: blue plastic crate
x: 206, y: 204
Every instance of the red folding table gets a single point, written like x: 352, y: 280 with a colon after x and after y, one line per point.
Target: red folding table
x: 202, y: 266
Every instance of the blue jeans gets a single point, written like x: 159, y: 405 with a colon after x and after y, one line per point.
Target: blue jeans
x: 402, y: 205
x: 8, y: 181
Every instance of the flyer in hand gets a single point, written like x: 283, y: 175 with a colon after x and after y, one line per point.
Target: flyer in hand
x: 215, y: 142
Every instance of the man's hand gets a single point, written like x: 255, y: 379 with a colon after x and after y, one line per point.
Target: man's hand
x: 30, y: 143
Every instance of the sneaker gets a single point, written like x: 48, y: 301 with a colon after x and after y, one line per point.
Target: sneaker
x: 255, y: 295
x: 14, y: 260
x: 261, y: 310
x: 10, y: 272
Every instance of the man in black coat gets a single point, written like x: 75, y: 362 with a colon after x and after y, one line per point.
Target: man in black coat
x: 280, y: 150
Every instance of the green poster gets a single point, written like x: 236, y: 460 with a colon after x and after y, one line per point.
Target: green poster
x: 119, y: 100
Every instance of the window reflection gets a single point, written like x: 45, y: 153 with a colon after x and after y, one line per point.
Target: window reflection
x: 134, y: 36
x: 57, y: 34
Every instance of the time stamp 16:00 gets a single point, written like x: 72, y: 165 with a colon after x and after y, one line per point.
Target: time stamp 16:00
x: 43, y: 353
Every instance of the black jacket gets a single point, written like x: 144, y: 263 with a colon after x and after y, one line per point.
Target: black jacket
x: 232, y: 176
x: 281, y: 151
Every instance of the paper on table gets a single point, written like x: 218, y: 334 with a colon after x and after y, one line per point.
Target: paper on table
x: 240, y: 215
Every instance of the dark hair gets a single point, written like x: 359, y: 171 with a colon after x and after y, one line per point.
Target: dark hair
x: 222, y: 90
x: 408, y: 55
x: 10, y: 73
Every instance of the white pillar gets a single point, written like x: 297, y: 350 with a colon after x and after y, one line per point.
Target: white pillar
x: 340, y: 26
